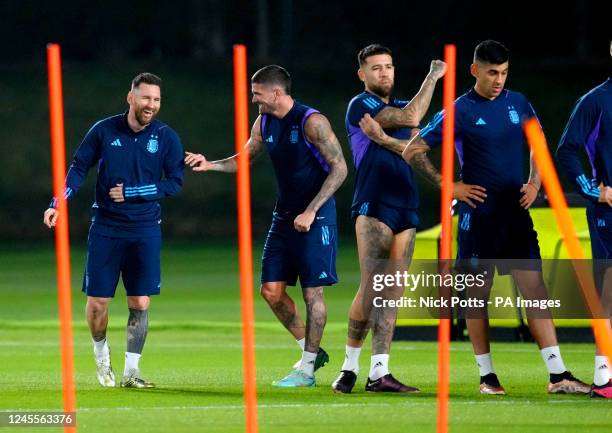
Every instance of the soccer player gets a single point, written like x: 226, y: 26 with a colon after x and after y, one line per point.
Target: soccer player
x: 131, y: 152
x: 590, y: 128
x: 493, y: 203
x: 384, y: 210
x: 302, y: 241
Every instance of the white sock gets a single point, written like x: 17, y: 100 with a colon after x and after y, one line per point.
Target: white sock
x: 379, y: 366
x: 485, y: 364
x: 307, y: 363
x: 301, y: 343
x: 351, y: 359
x: 602, y: 370
x: 552, y: 358
x: 131, y: 363
x: 101, y: 349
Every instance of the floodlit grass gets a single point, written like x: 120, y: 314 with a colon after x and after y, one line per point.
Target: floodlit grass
x: 194, y: 355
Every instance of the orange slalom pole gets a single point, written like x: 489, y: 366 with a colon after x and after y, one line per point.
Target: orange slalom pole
x: 241, y: 118
x: 446, y: 197
x: 62, y: 241
x: 537, y: 141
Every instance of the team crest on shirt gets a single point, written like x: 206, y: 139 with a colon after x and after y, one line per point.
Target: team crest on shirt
x: 293, y: 136
x: 153, y: 144
x: 514, y: 117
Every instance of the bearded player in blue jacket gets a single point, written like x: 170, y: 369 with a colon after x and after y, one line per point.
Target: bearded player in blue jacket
x: 139, y: 161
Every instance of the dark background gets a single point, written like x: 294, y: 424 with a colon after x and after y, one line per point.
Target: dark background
x: 558, y: 52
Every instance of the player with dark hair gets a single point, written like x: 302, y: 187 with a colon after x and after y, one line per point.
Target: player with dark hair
x: 302, y: 241
x: 590, y: 128
x: 139, y: 161
x: 493, y: 204
x: 384, y: 209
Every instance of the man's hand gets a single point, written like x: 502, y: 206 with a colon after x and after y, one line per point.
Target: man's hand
x: 530, y: 193
x: 437, y: 69
x: 467, y: 193
x: 50, y: 217
x: 116, y: 193
x: 605, y: 194
x: 303, y: 221
x: 372, y: 129
x: 197, y: 162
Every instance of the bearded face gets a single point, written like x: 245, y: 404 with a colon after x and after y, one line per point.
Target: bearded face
x: 145, y: 102
x: 378, y: 74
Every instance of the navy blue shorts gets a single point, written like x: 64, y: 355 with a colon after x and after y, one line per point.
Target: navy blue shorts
x: 502, y: 237
x: 599, y: 218
x: 136, y: 259
x: 397, y: 219
x: 289, y: 254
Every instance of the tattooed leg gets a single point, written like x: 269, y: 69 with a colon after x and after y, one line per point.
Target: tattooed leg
x: 373, y: 244
x: 137, y: 329
x: 316, y: 317
x: 383, y: 318
x: 283, y: 307
x: 96, y: 312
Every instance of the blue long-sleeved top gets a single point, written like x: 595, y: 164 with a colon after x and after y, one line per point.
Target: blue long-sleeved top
x: 148, y: 163
x: 589, y: 128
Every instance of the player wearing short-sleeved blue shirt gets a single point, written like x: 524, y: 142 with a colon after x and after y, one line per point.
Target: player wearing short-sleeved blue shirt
x: 375, y: 165
x: 384, y: 208
x: 302, y: 241
x: 494, y: 221
x: 589, y: 129
x: 139, y: 160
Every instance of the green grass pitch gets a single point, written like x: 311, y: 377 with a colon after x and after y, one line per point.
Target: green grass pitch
x: 193, y: 353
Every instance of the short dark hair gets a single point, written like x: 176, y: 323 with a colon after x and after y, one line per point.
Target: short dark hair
x: 273, y: 74
x: 492, y: 52
x: 372, y: 50
x: 147, y: 78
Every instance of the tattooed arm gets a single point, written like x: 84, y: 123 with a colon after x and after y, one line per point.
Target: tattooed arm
x: 318, y: 131
x: 415, y: 153
x: 414, y: 111
x: 254, y: 147
x: 374, y: 131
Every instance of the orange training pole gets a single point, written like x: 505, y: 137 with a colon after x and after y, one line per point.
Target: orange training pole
x: 537, y: 141
x: 446, y: 197
x: 241, y: 119
x: 62, y: 243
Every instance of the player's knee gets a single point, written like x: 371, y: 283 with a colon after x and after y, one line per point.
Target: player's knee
x: 97, y: 306
x: 271, y: 293
x: 313, y: 295
x: 138, y: 302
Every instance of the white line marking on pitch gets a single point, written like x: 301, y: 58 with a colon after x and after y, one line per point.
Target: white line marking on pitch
x: 396, y: 346
x: 330, y: 405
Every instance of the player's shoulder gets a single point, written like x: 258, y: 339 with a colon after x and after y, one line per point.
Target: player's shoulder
x: 366, y: 99
x: 108, y: 123
x: 164, y: 132
x: 306, y: 111
x: 464, y: 102
x: 598, y: 93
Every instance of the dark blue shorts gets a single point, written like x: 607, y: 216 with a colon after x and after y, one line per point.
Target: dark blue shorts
x: 600, y: 229
x: 397, y: 219
x: 289, y: 254
x: 136, y: 259
x: 502, y: 237
x: 599, y: 218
